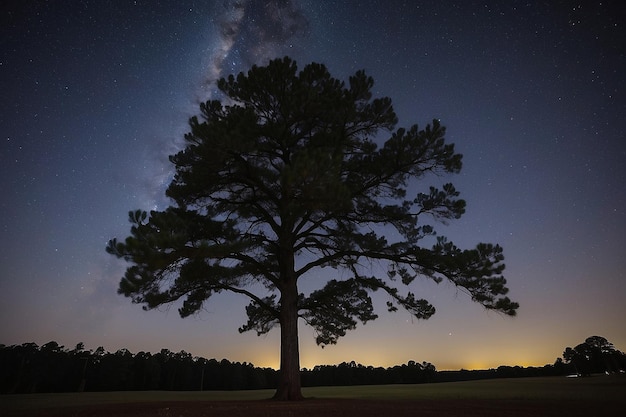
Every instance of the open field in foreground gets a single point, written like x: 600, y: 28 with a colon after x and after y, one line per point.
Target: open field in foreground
x: 549, y: 396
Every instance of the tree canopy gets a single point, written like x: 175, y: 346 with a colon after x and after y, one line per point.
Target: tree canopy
x: 595, y: 354
x: 289, y: 173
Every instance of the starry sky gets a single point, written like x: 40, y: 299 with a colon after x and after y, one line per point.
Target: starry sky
x: 96, y: 94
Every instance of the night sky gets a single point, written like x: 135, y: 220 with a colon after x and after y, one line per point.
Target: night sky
x: 96, y: 94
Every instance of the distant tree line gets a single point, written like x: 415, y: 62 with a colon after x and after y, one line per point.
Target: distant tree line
x: 356, y: 374
x: 29, y: 368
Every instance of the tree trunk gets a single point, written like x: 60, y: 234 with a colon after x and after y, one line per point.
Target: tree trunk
x: 289, y: 388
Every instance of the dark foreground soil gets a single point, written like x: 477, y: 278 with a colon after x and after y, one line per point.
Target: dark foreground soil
x: 341, y: 408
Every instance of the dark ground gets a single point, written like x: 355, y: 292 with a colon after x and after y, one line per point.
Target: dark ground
x: 341, y: 408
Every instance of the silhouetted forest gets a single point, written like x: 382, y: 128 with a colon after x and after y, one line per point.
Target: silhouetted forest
x: 29, y: 368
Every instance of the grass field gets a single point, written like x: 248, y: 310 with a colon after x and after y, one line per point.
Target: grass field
x: 596, y: 388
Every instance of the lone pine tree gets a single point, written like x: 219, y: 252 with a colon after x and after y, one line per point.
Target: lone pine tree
x: 286, y: 175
